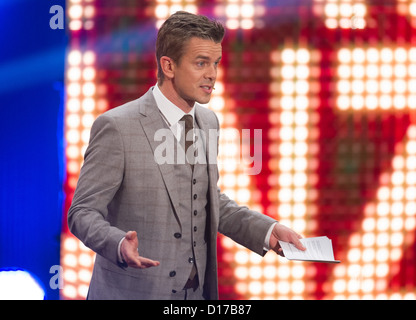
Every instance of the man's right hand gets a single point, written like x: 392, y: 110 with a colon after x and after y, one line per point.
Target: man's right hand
x: 129, y: 252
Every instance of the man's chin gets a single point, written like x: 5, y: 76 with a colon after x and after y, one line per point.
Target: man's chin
x: 204, y: 100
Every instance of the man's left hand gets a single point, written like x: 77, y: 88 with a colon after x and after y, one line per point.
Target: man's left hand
x: 283, y: 233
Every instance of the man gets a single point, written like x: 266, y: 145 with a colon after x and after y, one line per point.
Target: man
x: 152, y: 223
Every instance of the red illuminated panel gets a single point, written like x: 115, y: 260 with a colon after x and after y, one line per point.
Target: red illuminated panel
x: 386, y: 235
x: 380, y: 79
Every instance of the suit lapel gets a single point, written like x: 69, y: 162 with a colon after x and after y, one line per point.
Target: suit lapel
x: 151, y: 122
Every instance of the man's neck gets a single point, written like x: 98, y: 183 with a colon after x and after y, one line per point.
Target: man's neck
x: 172, y: 95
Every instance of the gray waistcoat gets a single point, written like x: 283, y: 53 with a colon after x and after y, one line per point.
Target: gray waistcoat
x: 193, y: 191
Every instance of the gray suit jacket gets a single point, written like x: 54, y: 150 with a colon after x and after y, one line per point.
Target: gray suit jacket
x: 121, y: 187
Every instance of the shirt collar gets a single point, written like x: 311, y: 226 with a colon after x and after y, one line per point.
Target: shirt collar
x: 170, y: 111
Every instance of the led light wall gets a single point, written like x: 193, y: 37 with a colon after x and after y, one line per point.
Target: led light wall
x: 377, y: 78
x: 164, y: 8
x: 345, y: 14
x: 381, y: 79
x: 81, y: 14
x: 330, y: 84
x: 293, y: 150
x: 81, y: 111
x: 83, y: 104
x: 375, y: 253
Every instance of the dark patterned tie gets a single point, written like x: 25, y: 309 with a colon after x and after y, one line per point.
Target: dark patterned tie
x: 189, y: 125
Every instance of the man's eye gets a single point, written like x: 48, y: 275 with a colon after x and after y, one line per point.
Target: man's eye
x: 200, y: 64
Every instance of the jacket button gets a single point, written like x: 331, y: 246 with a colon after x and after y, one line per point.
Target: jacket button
x: 191, y: 260
x: 177, y: 235
x: 172, y: 274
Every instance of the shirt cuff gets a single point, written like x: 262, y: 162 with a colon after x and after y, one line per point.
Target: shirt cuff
x: 266, y: 245
x: 119, y: 256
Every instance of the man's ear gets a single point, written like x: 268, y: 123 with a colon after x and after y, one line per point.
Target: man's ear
x: 168, y: 67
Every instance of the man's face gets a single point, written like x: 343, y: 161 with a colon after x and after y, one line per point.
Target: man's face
x: 195, y: 75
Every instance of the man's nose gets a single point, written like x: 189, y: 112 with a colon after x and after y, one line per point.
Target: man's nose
x: 211, y: 73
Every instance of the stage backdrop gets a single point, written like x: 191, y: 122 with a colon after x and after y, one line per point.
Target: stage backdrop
x: 331, y: 84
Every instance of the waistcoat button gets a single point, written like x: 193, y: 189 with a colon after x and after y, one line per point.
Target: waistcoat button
x: 195, y: 196
x: 195, y: 212
x: 172, y: 274
x: 194, y: 181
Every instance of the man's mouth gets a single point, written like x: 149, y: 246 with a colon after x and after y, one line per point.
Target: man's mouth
x: 207, y: 89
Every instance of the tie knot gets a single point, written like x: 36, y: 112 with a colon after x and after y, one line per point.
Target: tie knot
x: 189, y: 123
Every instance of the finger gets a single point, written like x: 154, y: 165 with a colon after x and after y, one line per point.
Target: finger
x: 143, y: 263
x: 131, y: 235
x: 148, y: 263
x: 298, y: 244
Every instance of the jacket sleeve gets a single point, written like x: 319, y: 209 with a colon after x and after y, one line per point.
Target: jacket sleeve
x: 100, y: 178
x: 246, y: 227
